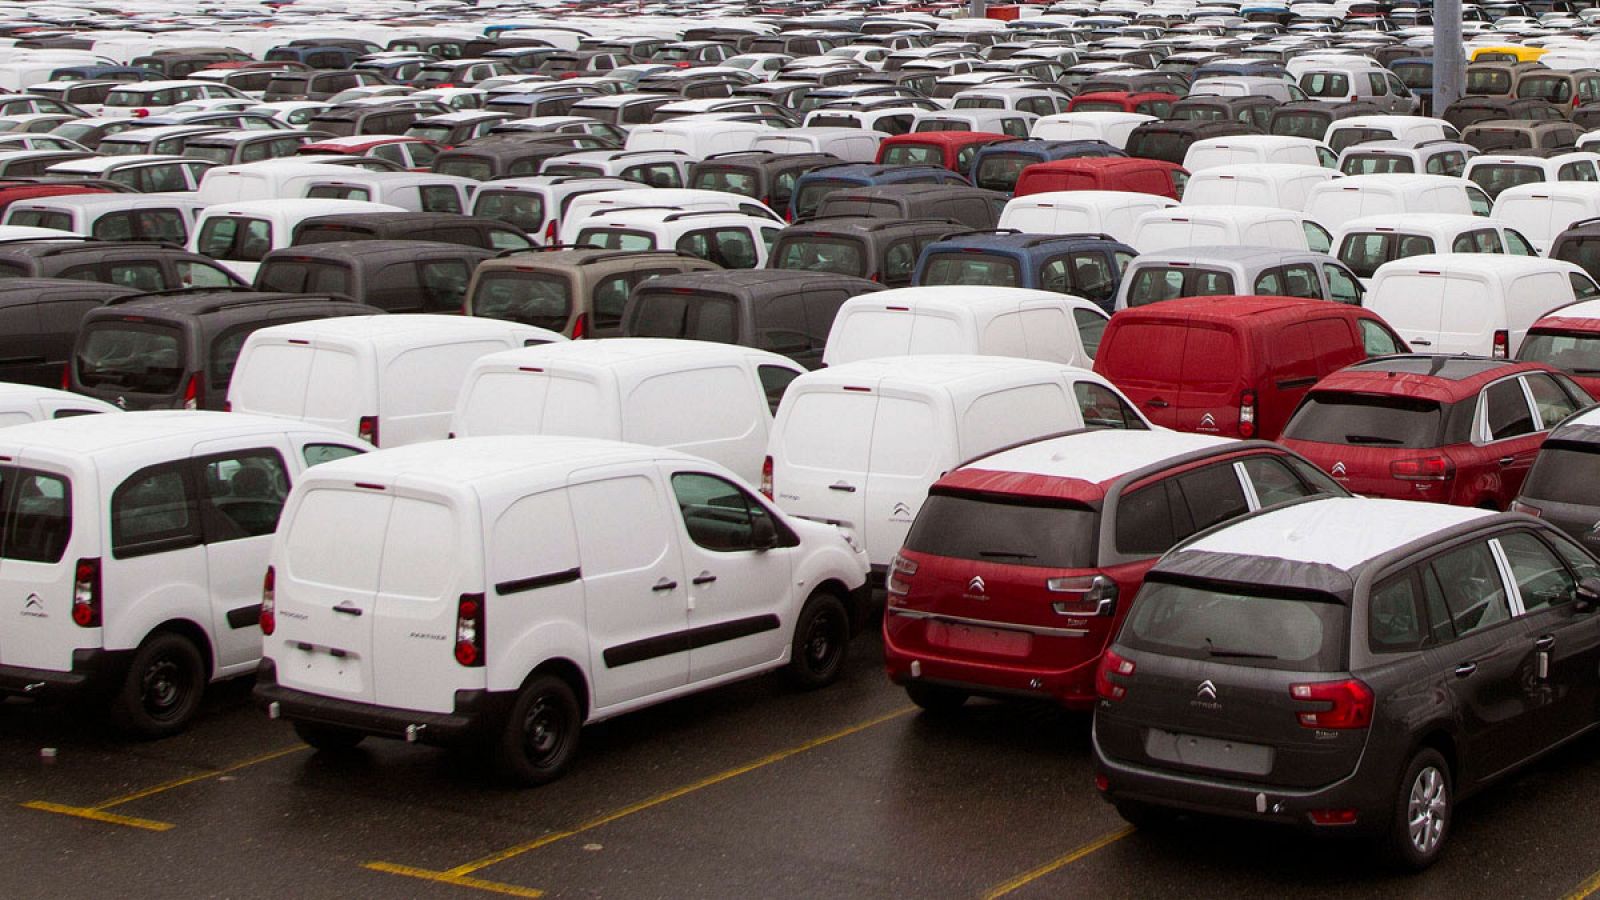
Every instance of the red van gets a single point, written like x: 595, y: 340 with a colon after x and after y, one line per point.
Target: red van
x: 1021, y: 564
x: 954, y: 150
x: 1234, y: 366
x: 1445, y: 429
x: 1568, y: 339
x: 1104, y: 173
x: 1148, y: 103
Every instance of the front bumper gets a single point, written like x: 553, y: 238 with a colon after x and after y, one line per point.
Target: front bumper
x: 477, y: 716
x: 94, y: 673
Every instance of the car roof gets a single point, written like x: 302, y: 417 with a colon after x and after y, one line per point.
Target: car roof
x: 1081, y: 465
x: 94, y: 435
x: 1496, y: 264
x: 934, y: 370
x: 627, y: 353
x: 1446, y: 379
x: 1240, y: 253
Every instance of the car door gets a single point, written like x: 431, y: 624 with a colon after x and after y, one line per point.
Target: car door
x: 1511, y: 437
x: 820, y: 454
x: 738, y: 591
x: 1565, y: 641
x: 157, y: 551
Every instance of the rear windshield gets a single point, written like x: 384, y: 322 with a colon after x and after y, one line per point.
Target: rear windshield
x: 235, y: 238
x: 1325, y: 84
x: 35, y: 515
x: 971, y: 268
x: 1098, y: 106
x: 1566, y: 472
x: 1487, y: 81
x: 1578, y: 353
x: 1365, y: 251
x: 1019, y: 531
x: 616, y: 239
x: 744, y: 182
x: 1299, y: 631
x: 296, y: 276
x: 1554, y: 88
x: 686, y: 315
x: 219, y: 154
x: 532, y: 298
x: 913, y: 155
x: 1154, y: 284
x: 999, y: 171
x: 1496, y: 177
x: 1489, y: 140
x: 810, y: 195
x: 526, y: 211
x: 1402, y: 422
x: 338, y: 192
x: 1376, y: 164
x: 465, y: 167
x: 1308, y: 124
x: 1168, y: 145
x: 843, y: 256
x: 135, y: 357
x: 41, y: 218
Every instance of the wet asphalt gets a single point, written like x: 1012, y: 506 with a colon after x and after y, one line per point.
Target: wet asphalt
x: 753, y: 790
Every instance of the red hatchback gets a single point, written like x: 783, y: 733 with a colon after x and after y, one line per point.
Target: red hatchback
x: 1569, y: 339
x: 1444, y: 429
x: 953, y: 150
x: 1021, y: 565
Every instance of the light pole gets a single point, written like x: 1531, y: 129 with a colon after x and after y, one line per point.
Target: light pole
x: 1448, y: 54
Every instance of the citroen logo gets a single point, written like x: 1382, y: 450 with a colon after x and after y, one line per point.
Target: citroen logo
x: 1338, y: 470
x: 1207, y: 690
x: 900, y: 509
x: 33, y: 602
x: 1208, y: 421
x: 976, y: 584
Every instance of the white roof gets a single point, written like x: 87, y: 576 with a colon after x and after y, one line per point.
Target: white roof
x: 407, y: 329
x: 90, y: 435
x: 1096, y: 456
x: 298, y: 206
x: 115, y: 201
x: 1589, y: 417
x: 981, y: 301
x: 95, y: 164
x: 1388, y: 121
x: 636, y: 354
x: 1414, y: 222
x: 951, y: 372
x: 1543, y: 190
x: 1588, y: 309
x: 478, y: 462
x: 1267, y: 171
x: 1342, y: 532
x: 1219, y: 213
x: 12, y: 393
x: 1090, y: 199
x: 1496, y: 265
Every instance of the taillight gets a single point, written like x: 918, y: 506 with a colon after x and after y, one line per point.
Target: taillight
x: 66, y: 377
x: 86, y: 594
x: 580, y: 326
x: 1348, y: 704
x: 766, y: 478
x: 1247, y: 414
x: 140, y: 113
x: 367, y: 430
x: 551, y: 232
x: 269, y: 602
x: 469, y: 631
x: 1502, y: 345
x: 1525, y: 508
x: 1112, y: 666
x: 1333, y: 816
x: 193, y: 392
x: 901, y: 570
x: 1096, y: 595
x: 1423, y: 468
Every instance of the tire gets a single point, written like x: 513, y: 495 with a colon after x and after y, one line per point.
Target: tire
x: 1424, y: 807
x: 936, y: 698
x: 328, y: 738
x: 163, y: 688
x: 821, y: 641
x: 540, y: 736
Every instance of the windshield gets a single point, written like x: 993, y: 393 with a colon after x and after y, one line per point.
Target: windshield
x: 294, y: 276
x: 1496, y: 177
x: 1297, y: 630
x: 1325, y: 84
x: 616, y: 239
x: 124, y: 356
x: 970, y: 268
x: 217, y: 154
x: 1488, y: 81
x: 735, y: 181
x: 810, y: 195
x: 1154, y: 284
x: 1307, y: 124
x: 1566, y: 472
x: 1376, y: 164
x: 465, y: 167
x: 1367, y: 420
x: 532, y: 298
x: 526, y: 211
x: 841, y: 255
x: 1000, y: 171
x: 1365, y: 251
x: 235, y: 238
x: 997, y: 528
x: 1554, y: 88
x: 40, y: 218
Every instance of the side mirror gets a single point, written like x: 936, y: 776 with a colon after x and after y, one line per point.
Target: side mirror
x: 1589, y: 593
x: 764, y: 534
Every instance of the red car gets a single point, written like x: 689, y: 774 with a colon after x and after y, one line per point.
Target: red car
x: 1021, y: 565
x: 1445, y: 429
x: 1104, y: 173
x: 1149, y: 103
x: 1568, y: 339
x: 953, y: 150
x: 415, y: 154
x: 1234, y: 366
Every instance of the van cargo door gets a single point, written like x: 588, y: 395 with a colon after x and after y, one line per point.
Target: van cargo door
x: 43, y: 523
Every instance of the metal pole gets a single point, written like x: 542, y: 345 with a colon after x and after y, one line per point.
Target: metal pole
x: 977, y: 8
x: 1449, y: 77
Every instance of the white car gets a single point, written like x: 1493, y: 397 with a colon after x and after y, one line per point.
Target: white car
x: 24, y: 403
x: 510, y: 589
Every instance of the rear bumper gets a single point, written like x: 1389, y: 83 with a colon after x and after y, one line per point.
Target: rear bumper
x: 94, y: 673
x: 476, y: 716
x: 1069, y: 683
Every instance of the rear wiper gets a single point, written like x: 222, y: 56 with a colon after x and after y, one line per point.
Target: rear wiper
x: 1370, y: 439
x: 1005, y: 554
x: 1234, y: 654
x: 1586, y: 371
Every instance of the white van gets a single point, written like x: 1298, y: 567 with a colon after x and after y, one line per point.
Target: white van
x: 849, y: 144
x: 989, y: 121
x: 1477, y: 303
x: 1257, y: 149
x: 113, y: 216
x: 1336, y: 202
x: 1111, y: 127
x: 1283, y: 185
x: 238, y: 235
x: 538, y: 203
x: 415, y: 191
x: 991, y: 321
x: 858, y: 445
x: 732, y: 240
x: 1256, y: 226
x: 1081, y: 212
x: 1365, y: 244
x: 133, y: 554
x: 266, y: 180
x: 708, y: 399
x: 24, y: 403
x: 579, y: 209
x: 697, y: 138
x: 610, y: 577
x: 1344, y: 133
x: 389, y: 380
x: 1543, y: 210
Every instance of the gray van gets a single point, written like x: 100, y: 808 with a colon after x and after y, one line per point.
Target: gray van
x: 1232, y: 270
x: 395, y: 276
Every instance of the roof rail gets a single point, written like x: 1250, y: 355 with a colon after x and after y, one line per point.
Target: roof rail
x: 726, y: 153
x: 65, y: 236
x: 179, y: 292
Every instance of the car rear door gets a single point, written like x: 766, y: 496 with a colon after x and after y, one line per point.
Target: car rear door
x: 1145, y: 361
x: 49, y: 520
x: 1213, y: 360
x: 1564, y: 639
x: 821, y: 454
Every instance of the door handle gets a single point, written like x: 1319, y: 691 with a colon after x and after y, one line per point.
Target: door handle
x: 842, y: 486
x: 703, y: 578
x: 1158, y: 403
x: 665, y: 584
x: 1465, y: 669
x: 348, y: 610
x: 1507, y: 460
x: 1545, y: 642
x: 1421, y: 343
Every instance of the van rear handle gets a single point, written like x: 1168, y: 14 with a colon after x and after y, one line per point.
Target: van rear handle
x: 665, y: 585
x: 842, y: 486
x: 348, y: 610
x: 1158, y: 403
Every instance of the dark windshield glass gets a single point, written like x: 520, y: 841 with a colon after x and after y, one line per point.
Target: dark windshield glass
x: 532, y: 298
x: 674, y: 315
x: 1327, y: 418
x: 526, y: 211
x: 1566, y: 472
x: 1578, y: 352
x: 1554, y: 88
x: 913, y: 155
x: 125, y: 356
x: 970, y: 268
x: 1304, y: 632
x: 1301, y: 124
x: 811, y: 193
x: 35, y: 515
x: 999, y: 171
x: 840, y: 255
x: 1008, y: 530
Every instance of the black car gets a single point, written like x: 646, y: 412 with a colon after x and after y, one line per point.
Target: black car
x: 881, y: 250
x: 395, y: 276
x: 1349, y: 666
x: 140, y: 265
x: 450, y: 228
x: 1563, y: 487
x: 39, y: 319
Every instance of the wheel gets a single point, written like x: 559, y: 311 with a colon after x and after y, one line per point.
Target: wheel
x: 541, y: 733
x: 1422, y: 812
x: 163, y: 688
x: 1145, y: 817
x: 821, y: 639
x: 936, y: 698
x: 328, y: 738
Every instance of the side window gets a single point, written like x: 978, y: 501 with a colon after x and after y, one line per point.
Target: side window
x: 1147, y: 522
x: 154, y: 510
x: 898, y: 261
x: 1379, y: 87
x: 774, y: 381
x: 1213, y: 495
x: 317, y: 454
x: 1474, y: 595
x: 242, y: 494
x: 1377, y: 340
x: 1580, y: 171
x: 440, y: 198
x: 39, y: 513
x: 1091, y: 328
x: 1395, y: 618
x: 1549, y: 399
x: 1301, y: 280
x: 1341, y: 287
x: 716, y: 513
x: 1102, y: 408
x: 444, y: 284
x: 1053, y: 276
x: 1583, y: 287
x: 1318, y: 240
x: 1517, y: 245
x: 195, y: 274
x: 1578, y: 559
x: 610, y: 296
x: 1506, y: 411
x: 1478, y: 200
x: 1273, y: 482
x: 1092, y: 276
x: 1542, y: 580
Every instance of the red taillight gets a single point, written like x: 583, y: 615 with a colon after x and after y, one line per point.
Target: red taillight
x: 66, y: 377
x: 551, y: 232
x: 875, y: 278
x: 1526, y: 509
x: 901, y: 570
x: 1112, y: 666
x: 580, y: 326
x: 766, y: 478
x: 140, y: 113
x: 193, y: 392
x: 1502, y: 345
x: 469, y: 631
x: 1423, y: 468
x: 1102, y: 783
x: 1348, y: 704
x: 86, y: 594
x: 1095, y: 595
x: 1333, y: 816
x: 1247, y: 414
x: 269, y: 602
x: 367, y: 430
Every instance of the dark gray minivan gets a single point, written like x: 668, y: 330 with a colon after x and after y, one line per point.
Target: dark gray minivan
x: 1350, y: 666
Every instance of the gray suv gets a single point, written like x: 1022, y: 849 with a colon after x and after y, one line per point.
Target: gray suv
x: 1350, y: 666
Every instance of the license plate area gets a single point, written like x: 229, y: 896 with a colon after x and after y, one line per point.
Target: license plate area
x: 977, y: 639
x: 1208, y: 753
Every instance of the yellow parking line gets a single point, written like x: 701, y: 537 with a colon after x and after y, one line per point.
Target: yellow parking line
x: 84, y: 812
x: 1589, y: 888
x: 458, y: 875
x: 1025, y: 878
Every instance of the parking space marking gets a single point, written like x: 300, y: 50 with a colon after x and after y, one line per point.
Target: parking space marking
x: 459, y: 874
x: 1000, y: 890
x: 1590, y: 888
x: 98, y: 813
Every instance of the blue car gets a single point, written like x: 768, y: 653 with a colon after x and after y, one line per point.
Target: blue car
x: 1083, y: 265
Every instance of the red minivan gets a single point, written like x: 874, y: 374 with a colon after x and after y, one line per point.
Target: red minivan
x: 1234, y: 366
x: 1022, y: 564
x: 1446, y: 429
x: 1568, y: 339
x: 953, y: 150
x: 1104, y: 173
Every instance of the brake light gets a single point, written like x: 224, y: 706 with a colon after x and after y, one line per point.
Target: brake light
x: 551, y: 232
x: 86, y: 594
x: 1333, y: 816
x: 140, y: 113
x: 900, y: 571
x: 766, y: 478
x: 1502, y: 345
x: 580, y: 326
x: 1096, y: 595
x: 1112, y: 665
x: 1348, y: 704
x: 1526, y: 509
x: 269, y: 602
x: 1247, y: 414
x: 469, y: 631
x: 193, y: 393
x: 367, y: 430
x: 1423, y: 468
x: 66, y: 377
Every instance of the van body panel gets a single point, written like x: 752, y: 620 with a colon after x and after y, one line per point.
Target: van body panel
x: 42, y: 635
